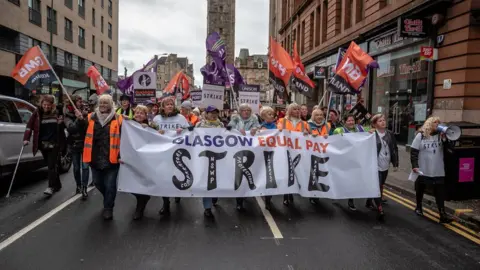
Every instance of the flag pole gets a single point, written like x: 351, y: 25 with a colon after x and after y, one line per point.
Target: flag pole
x: 59, y: 81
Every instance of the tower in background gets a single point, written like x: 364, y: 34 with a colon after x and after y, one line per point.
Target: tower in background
x: 221, y: 19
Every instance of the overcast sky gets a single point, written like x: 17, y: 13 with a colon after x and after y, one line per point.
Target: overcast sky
x: 149, y: 27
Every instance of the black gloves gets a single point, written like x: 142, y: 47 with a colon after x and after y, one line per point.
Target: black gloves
x: 191, y: 128
x: 229, y: 128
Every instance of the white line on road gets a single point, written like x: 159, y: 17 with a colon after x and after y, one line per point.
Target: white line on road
x: 268, y: 217
x: 39, y: 221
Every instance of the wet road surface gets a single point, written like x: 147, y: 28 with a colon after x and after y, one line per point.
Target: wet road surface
x: 327, y: 236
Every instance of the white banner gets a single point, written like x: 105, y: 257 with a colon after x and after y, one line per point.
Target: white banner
x: 220, y: 163
x: 196, y: 96
x: 250, y: 94
x: 213, y: 95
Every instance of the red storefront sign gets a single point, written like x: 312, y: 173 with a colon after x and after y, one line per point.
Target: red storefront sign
x: 426, y: 53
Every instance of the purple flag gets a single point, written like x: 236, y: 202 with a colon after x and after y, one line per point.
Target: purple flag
x: 235, y: 78
x: 211, y: 75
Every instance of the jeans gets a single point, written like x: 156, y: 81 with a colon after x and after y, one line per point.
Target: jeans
x: 106, y: 182
x: 207, y: 203
x: 51, y: 158
x: 382, y: 178
x: 80, y: 169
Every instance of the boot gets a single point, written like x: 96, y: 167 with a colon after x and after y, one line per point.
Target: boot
x: 314, y: 201
x: 165, y: 211
x: 268, y: 204
x: 419, y: 211
x: 78, y: 190
x: 215, y: 201
x: 84, y: 193
x: 369, y: 204
x: 444, y: 217
x: 208, y: 213
x: 141, y: 204
x: 177, y: 200
x: 107, y: 214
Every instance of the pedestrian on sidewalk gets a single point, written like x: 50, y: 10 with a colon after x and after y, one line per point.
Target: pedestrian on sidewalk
x: 76, y: 124
x: 102, y: 150
x: 268, y: 116
x: 169, y: 118
x: 349, y: 127
x: 292, y: 122
x: 387, y: 152
x: 211, y: 121
x: 318, y: 127
x: 426, y: 155
x: 141, y: 116
x: 47, y: 126
x: 244, y: 122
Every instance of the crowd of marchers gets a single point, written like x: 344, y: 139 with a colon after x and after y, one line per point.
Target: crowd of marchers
x: 93, y: 131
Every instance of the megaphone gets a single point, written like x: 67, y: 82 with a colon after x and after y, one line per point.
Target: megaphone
x: 452, y: 133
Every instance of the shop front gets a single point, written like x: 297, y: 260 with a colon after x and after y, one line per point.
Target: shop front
x: 402, y: 87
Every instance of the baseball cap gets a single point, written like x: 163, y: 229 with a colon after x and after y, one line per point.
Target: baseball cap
x: 211, y: 109
x: 187, y: 104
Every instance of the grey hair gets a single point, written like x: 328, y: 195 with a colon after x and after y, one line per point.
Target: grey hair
x: 244, y: 106
x: 108, y: 99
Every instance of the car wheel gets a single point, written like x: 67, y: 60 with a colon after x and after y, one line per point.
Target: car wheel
x: 65, y: 161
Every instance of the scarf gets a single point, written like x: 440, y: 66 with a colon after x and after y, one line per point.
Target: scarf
x: 211, y: 124
x: 104, y: 118
x: 271, y: 125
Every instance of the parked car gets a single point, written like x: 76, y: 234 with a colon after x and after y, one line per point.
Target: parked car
x: 14, y: 116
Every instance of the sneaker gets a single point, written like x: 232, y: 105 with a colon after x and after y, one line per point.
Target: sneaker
x: 419, y: 211
x: 78, y: 190
x: 314, y: 201
x: 240, y: 208
x: 444, y: 217
x: 268, y: 205
x: 107, y: 214
x: 165, y: 211
x: 91, y: 184
x: 286, y: 202
x: 208, y: 213
x: 48, y: 191
x: 84, y: 193
x: 351, y: 205
x: 381, y: 216
x: 369, y: 205
x: 384, y: 201
x: 215, y: 201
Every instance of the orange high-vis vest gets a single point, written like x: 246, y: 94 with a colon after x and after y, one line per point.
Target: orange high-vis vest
x: 323, y: 131
x: 115, y: 126
x: 286, y: 124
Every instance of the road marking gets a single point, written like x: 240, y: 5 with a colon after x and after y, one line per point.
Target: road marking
x: 460, y: 211
x: 39, y: 221
x: 450, y: 227
x: 270, y: 221
x: 290, y: 267
x: 433, y: 213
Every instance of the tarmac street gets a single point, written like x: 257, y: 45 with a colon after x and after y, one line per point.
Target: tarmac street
x: 67, y: 233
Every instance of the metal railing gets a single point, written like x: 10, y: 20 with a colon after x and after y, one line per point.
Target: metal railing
x: 68, y: 34
x: 35, y: 16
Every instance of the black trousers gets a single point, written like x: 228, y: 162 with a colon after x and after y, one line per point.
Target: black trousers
x: 142, y: 200
x: 438, y: 190
x: 382, y: 178
x: 51, y: 157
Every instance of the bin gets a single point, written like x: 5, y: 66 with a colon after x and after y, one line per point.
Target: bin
x: 462, y: 164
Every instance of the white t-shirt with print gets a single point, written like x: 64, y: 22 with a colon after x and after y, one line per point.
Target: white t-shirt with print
x: 430, y: 157
x: 384, y: 156
x: 171, y: 123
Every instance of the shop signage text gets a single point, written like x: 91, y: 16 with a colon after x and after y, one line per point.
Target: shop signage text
x: 389, y: 42
x: 413, y: 27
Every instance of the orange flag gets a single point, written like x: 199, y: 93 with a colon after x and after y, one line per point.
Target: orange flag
x: 100, y: 83
x: 33, y: 69
x: 301, y: 81
x: 280, y: 66
x: 174, y: 83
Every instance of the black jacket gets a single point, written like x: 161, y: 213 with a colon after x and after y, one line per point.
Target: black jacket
x: 77, y: 129
x: 392, y: 146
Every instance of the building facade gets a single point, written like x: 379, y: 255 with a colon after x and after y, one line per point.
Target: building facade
x: 84, y: 33
x: 221, y: 19
x: 168, y: 66
x: 254, y: 70
x: 407, y: 87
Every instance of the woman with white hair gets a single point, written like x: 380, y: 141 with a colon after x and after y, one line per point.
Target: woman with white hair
x: 245, y: 121
x: 102, y: 150
x: 426, y: 156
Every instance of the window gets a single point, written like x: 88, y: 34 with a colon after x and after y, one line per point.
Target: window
x: 110, y: 53
x: 68, y: 59
x: 8, y: 112
x: 69, y: 4
x: 103, y: 4
x: 35, y: 12
x: 81, y: 37
x: 93, y: 16
x: 16, y: 2
x: 33, y: 42
x: 360, y: 10
x: 317, y: 26
x: 51, y: 20
x: 311, y: 33
x: 220, y: 31
x: 348, y: 18
x: 324, y: 21
x: 93, y: 44
x: 68, y: 30
x: 110, y: 8
x: 302, y: 41
x: 260, y: 64
x: 101, y: 24
x: 81, y: 64
x: 54, y: 54
x: 24, y: 110
x: 109, y: 74
x: 109, y: 30
x: 101, y: 49
x: 220, y: 8
x: 81, y: 8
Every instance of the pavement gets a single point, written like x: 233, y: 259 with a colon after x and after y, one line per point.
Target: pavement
x: 66, y: 233
x: 466, y: 212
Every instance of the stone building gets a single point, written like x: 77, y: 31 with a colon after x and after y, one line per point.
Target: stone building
x: 168, y: 66
x: 254, y: 70
x: 84, y: 33
x: 407, y: 87
x: 221, y: 19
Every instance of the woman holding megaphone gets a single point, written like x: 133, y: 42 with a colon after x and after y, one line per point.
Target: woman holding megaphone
x: 426, y: 155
